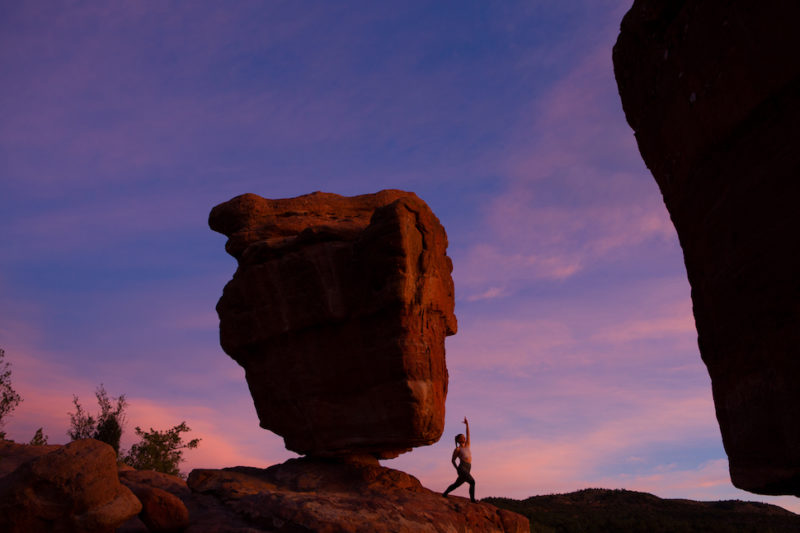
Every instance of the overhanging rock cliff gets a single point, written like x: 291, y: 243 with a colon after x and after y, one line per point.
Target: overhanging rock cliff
x: 712, y: 91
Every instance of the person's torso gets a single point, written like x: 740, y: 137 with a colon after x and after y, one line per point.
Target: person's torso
x: 464, y: 454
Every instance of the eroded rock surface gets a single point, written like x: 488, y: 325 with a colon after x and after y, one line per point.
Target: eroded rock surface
x: 329, y: 496
x: 162, y: 511
x: 72, y: 488
x: 338, y: 313
x: 712, y: 90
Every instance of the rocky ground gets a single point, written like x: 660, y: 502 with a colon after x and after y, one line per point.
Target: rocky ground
x: 80, y: 488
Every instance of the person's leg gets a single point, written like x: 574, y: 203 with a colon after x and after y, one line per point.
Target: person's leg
x: 471, y: 482
x: 454, y: 486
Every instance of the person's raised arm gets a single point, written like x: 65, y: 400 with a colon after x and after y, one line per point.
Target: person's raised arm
x: 467, y: 424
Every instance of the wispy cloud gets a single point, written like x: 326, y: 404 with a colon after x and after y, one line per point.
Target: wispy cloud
x: 228, y: 426
x: 576, y: 194
x: 538, y: 462
x: 488, y: 294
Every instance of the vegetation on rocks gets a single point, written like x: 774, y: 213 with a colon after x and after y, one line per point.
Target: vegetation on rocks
x: 161, y: 451
x: 39, y: 438
x: 106, y: 426
x: 9, y: 398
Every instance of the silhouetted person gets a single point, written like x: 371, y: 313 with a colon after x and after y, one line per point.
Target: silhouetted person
x: 464, y: 455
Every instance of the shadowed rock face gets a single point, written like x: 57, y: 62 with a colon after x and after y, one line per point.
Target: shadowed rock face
x: 338, y: 313
x: 712, y: 90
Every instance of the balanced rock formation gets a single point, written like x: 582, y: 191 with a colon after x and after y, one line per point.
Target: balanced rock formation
x: 72, y: 488
x: 712, y: 90
x: 338, y: 313
x: 333, y: 496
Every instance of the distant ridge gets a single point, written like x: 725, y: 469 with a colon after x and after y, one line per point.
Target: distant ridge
x: 606, y: 510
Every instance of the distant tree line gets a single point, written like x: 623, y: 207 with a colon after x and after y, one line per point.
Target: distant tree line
x: 604, y: 510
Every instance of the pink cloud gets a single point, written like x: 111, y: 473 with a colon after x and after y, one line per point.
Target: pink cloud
x: 227, y: 426
x: 556, y: 242
x: 528, y: 465
x: 577, y: 193
x: 47, y: 381
x: 489, y: 294
x: 677, y: 321
x: 582, y: 332
x: 229, y: 436
x: 46, y: 389
x: 484, y: 264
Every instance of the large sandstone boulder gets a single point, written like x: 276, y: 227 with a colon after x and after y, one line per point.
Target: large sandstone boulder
x: 338, y: 313
x: 162, y: 511
x: 73, y: 488
x: 162, y: 497
x: 329, y: 496
x: 712, y: 91
x: 13, y: 455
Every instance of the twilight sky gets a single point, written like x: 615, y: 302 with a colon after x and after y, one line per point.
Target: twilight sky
x: 122, y: 124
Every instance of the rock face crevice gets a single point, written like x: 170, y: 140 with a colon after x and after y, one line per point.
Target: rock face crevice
x: 712, y: 91
x: 338, y: 313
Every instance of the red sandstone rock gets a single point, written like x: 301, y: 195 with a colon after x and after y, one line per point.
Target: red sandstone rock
x: 72, y: 489
x: 338, y: 313
x: 14, y: 455
x: 172, y: 484
x: 162, y: 497
x: 162, y: 512
x: 712, y: 91
x: 332, y: 496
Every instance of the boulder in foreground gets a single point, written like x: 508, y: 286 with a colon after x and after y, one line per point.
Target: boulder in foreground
x: 72, y: 488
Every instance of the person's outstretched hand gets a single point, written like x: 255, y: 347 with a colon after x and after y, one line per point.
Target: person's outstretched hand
x: 465, y: 421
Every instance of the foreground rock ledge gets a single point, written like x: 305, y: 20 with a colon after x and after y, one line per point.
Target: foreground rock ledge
x: 331, y: 496
x: 712, y: 90
x: 338, y: 312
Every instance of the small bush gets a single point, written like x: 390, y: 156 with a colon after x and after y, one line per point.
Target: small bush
x: 106, y: 427
x: 39, y: 439
x: 160, y: 450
